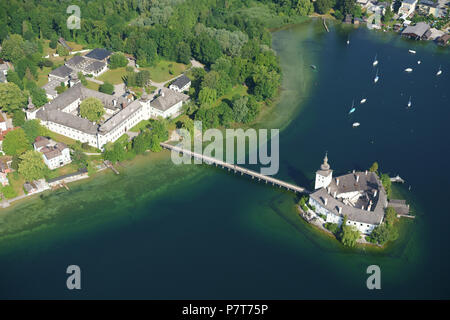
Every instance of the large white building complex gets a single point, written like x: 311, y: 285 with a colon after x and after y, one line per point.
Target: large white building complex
x: 359, y: 195
x: 61, y: 115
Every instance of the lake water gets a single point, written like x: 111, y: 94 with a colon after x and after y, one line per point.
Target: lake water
x: 161, y: 231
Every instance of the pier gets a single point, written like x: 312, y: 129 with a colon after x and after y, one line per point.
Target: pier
x: 235, y: 168
x: 325, y: 24
x: 109, y: 165
x: 397, y: 179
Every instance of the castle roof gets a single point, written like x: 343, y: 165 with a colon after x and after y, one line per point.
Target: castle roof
x: 366, y: 187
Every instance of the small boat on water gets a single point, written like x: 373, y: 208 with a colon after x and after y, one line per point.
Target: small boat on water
x: 356, y: 124
x: 375, y: 61
x: 348, y: 41
x: 313, y: 67
x: 376, y: 78
x: 408, y: 70
x: 412, y: 51
x: 419, y: 62
x: 409, y: 102
x: 439, y: 71
x: 363, y: 101
x: 353, y: 108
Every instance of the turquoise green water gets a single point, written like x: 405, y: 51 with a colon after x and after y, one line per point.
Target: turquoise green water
x: 162, y: 231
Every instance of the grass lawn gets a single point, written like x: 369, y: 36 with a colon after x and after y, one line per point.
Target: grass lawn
x: 60, y: 138
x: 236, y: 90
x: 113, y: 76
x: 43, y: 76
x: 161, y: 71
x: 141, y: 125
x: 92, y: 85
x: 68, y: 168
x: 16, y: 181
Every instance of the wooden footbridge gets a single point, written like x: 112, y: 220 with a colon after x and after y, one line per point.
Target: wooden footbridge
x: 235, y: 168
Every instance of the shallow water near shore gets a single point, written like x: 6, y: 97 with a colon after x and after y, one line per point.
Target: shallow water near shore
x: 163, y: 231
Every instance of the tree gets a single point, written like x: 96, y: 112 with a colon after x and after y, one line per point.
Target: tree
x: 33, y: 129
x: 323, y: 6
x: 106, y: 87
x: 348, y: 234
x: 346, y: 6
x: 118, y: 60
x: 92, y: 109
x: 374, y: 167
x: 15, y: 142
x: 141, y: 143
x: 114, y: 152
x: 62, y: 51
x: 18, y: 118
x: 53, y: 42
x: 386, y: 181
x: 183, y: 53
x: 390, y: 216
x: 32, y: 166
x: 12, y: 48
x: 39, y: 97
x: 207, y: 96
x: 388, y: 15
x: 206, y: 49
x: 240, y: 109
x: 11, y: 97
x: 304, y: 7
x: 79, y: 158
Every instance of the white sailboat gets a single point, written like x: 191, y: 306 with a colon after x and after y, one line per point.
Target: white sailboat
x: 375, y: 61
x: 412, y: 51
x: 356, y: 124
x: 348, y: 41
x: 408, y: 69
x: 409, y: 102
x: 352, y: 109
x: 419, y: 62
x: 439, y: 71
x: 376, y: 77
x: 363, y: 101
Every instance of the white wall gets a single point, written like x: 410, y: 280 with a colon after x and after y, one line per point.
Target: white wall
x: 322, y: 181
x: 364, y: 228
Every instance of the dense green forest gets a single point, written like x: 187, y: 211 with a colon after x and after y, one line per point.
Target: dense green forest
x: 231, y: 37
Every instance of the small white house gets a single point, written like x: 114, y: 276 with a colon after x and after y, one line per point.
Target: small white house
x: 181, y: 84
x: 168, y: 103
x: 55, y: 155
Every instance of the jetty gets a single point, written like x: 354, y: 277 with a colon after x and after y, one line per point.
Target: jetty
x: 236, y: 169
x: 109, y: 165
x: 397, y: 179
x: 325, y: 24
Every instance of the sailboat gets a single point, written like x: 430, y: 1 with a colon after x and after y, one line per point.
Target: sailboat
x: 409, y: 102
x: 419, y: 62
x: 376, y: 78
x: 348, y: 41
x: 353, y: 108
x: 375, y: 61
x: 439, y: 71
x: 412, y: 51
x: 408, y: 70
x: 356, y: 124
x: 363, y: 101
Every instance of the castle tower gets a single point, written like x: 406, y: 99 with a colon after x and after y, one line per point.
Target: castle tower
x: 324, y: 174
x: 31, y: 110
